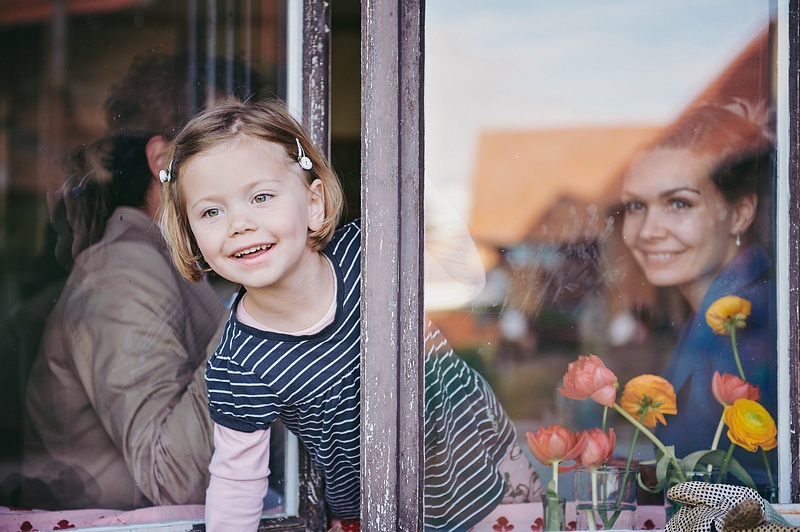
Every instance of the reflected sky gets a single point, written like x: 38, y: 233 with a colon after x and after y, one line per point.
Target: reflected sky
x: 532, y: 64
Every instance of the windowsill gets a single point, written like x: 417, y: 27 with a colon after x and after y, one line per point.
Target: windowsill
x: 179, y: 517
x: 523, y: 517
x: 175, y: 518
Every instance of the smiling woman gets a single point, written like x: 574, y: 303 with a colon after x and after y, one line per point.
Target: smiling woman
x: 690, y: 210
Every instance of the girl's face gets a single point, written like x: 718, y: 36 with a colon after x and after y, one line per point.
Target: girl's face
x: 250, y: 211
x: 677, y: 224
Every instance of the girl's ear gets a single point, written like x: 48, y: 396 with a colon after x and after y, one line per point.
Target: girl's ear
x: 316, y: 205
x: 744, y: 213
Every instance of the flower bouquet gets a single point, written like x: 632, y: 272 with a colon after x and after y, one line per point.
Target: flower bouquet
x: 644, y: 402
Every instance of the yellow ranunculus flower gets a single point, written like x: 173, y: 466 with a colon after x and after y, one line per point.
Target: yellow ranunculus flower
x: 727, y: 312
x: 750, y: 426
x: 649, y: 394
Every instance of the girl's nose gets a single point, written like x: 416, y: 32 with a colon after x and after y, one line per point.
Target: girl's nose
x: 240, y: 222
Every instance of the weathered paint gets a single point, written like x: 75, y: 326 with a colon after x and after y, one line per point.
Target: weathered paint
x: 392, y: 396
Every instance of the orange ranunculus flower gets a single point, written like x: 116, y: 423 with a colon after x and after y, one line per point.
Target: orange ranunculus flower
x: 555, y: 444
x: 599, y: 447
x: 649, y: 394
x: 727, y: 388
x: 727, y: 312
x: 750, y: 426
x: 589, y: 378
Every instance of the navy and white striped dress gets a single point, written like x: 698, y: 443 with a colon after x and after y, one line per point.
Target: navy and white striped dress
x: 313, y: 384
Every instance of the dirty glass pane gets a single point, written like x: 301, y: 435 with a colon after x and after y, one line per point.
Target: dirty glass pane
x: 84, y: 437
x: 597, y: 174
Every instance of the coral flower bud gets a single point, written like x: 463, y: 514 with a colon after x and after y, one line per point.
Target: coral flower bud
x: 727, y: 388
x: 589, y: 378
x: 599, y: 447
x: 650, y: 395
x: 727, y: 312
x: 750, y: 426
x: 555, y: 443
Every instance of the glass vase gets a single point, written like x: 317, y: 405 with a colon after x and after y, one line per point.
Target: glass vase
x: 554, y: 513
x: 769, y: 493
x: 605, y: 498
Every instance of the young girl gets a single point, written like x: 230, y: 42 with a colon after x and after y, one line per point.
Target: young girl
x: 248, y: 196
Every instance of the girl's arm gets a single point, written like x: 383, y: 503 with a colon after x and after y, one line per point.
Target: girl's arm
x: 239, y: 478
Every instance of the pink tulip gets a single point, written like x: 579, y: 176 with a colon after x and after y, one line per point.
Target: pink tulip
x: 599, y: 447
x: 589, y: 378
x: 555, y: 444
x: 727, y: 388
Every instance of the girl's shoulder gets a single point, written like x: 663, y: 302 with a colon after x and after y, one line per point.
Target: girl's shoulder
x: 349, y: 229
x: 346, y: 239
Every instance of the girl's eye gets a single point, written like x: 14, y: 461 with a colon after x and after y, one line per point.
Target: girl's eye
x: 261, y: 198
x: 210, y: 213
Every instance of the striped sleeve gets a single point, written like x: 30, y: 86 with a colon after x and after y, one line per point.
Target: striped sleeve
x: 238, y: 399
x: 467, y: 435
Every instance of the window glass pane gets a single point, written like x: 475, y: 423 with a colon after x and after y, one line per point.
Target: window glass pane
x: 612, y: 163
x: 114, y: 415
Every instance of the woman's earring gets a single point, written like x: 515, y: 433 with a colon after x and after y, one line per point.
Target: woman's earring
x: 738, y: 239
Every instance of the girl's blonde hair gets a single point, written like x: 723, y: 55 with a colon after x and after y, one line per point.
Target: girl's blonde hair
x: 269, y: 121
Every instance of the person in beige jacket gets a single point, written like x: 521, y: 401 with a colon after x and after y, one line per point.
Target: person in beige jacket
x: 116, y: 402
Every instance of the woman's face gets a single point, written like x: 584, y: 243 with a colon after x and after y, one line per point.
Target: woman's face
x: 678, y: 226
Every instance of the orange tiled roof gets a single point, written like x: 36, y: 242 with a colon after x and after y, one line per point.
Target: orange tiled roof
x: 542, y: 184
x: 524, y: 176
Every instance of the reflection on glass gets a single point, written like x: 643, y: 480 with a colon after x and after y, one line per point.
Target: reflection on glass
x: 547, y: 129
x: 104, y: 404
x: 691, y: 205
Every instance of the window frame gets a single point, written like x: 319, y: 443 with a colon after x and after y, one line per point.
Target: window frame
x: 392, y: 394
x: 789, y: 162
x: 392, y: 184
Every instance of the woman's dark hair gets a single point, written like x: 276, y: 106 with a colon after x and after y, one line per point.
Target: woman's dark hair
x: 131, y: 176
x: 748, y: 173
x: 745, y: 173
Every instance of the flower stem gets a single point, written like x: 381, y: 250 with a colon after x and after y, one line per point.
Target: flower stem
x: 605, y: 418
x: 652, y: 437
x: 717, y: 437
x: 736, y: 352
x: 724, y: 469
x: 768, y: 468
x: 555, y: 477
x: 718, y: 434
x: 621, y: 491
x: 591, y: 517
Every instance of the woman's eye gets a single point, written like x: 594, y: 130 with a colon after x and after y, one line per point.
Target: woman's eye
x: 632, y: 207
x: 679, y: 204
x: 210, y: 213
x: 261, y: 198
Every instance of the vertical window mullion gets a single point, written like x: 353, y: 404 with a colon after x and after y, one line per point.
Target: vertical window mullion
x: 392, y: 393
x: 316, y: 119
x: 793, y: 237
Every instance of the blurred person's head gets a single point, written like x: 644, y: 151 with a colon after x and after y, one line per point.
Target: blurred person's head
x: 161, y: 92
x: 82, y: 205
x: 691, y: 200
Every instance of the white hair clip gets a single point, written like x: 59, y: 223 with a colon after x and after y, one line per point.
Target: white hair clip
x: 305, y: 162
x: 165, y: 176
